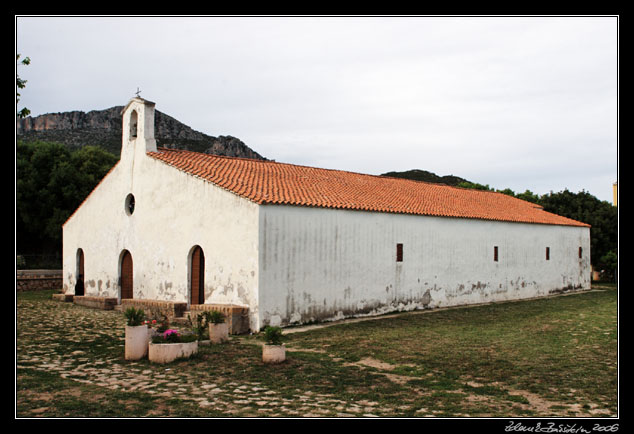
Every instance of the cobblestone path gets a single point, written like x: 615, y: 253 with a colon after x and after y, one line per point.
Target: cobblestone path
x: 87, y: 346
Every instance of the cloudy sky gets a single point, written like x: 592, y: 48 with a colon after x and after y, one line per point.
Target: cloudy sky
x: 513, y: 102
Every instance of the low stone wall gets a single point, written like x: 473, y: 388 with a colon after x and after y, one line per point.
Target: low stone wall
x: 237, y: 316
x: 103, y: 303
x: 156, y: 308
x: 35, y: 280
x: 63, y: 297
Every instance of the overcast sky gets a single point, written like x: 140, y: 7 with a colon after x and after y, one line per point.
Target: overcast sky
x: 517, y: 102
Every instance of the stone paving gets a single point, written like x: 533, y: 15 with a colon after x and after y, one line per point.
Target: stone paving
x: 46, y: 329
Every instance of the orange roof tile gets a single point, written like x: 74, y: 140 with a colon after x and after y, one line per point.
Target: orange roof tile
x: 267, y: 182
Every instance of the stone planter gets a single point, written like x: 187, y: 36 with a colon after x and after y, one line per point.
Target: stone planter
x: 218, y: 333
x: 136, y: 342
x: 165, y: 353
x: 273, y: 353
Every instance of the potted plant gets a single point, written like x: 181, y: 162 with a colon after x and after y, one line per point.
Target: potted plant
x: 273, y: 350
x: 150, y: 328
x: 163, y: 325
x: 200, y: 328
x: 218, y: 328
x: 136, y: 334
x: 172, y: 345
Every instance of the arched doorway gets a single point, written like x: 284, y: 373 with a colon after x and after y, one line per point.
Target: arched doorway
x: 79, y: 285
x: 197, y: 276
x: 126, y: 275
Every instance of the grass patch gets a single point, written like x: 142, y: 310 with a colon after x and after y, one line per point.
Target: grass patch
x: 552, y: 346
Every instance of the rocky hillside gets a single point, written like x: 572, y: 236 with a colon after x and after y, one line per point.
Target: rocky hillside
x: 103, y: 128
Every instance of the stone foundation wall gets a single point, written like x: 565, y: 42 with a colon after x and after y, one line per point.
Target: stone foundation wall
x: 103, y: 303
x: 63, y: 297
x: 35, y: 280
x: 156, y: 309
x: 237, y: 316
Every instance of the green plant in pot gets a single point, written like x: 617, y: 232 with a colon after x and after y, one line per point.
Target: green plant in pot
x: 164, y: 324
x: 135, y: 317
x: 172, y: 336
x: 199, y: 326
x: 171, y: 345
x: 273, y: 350
x: 273, y: 335
x: 136, y: 334
x: 218, y: 327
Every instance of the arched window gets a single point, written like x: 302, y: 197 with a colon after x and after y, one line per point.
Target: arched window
x: 134, y: 120
x: 197, y: 275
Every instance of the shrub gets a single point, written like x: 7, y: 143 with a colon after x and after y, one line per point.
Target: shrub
x: 135, y: 317
x: 174, y: 337
x: 273, y: 335
x: 199, y: 326
x: 215, y: 317
x: 163, y: 325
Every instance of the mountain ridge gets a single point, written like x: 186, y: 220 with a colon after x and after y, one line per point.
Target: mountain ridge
x: 103, y: 128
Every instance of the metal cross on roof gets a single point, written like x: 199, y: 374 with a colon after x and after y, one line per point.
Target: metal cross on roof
x: 138, y: 91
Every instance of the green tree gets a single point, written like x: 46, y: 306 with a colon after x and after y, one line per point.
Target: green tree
x: 528, y: 196
x: 584, y: 207
x: 609, y: 264
x: 507, y: 191
x: 474, y: 185
x: 21, y: 84
x: 51, y: 183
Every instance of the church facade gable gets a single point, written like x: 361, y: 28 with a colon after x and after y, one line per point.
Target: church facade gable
x: 139, y: 229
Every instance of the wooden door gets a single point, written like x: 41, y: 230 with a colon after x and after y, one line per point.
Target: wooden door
x: 198, y: 276
x: 126, y: 275
x: 79, y: 286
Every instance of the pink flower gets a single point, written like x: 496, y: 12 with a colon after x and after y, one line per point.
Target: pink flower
x: 169, y: 332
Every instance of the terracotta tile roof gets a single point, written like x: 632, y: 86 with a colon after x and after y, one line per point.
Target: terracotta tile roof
x: 267, y: 182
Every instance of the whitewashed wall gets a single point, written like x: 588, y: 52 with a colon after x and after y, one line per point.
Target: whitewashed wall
x: 174, y: 212
x: 325, y: 264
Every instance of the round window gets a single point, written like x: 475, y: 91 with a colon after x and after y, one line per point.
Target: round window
x: 129, y: 204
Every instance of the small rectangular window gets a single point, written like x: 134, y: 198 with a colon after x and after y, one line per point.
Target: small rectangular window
x: 399, y: 252
x: 580, y: 252
x: 495, y: 253
x: 548, y: 253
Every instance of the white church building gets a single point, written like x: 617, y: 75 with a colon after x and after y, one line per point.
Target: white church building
x: 293, y: 244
